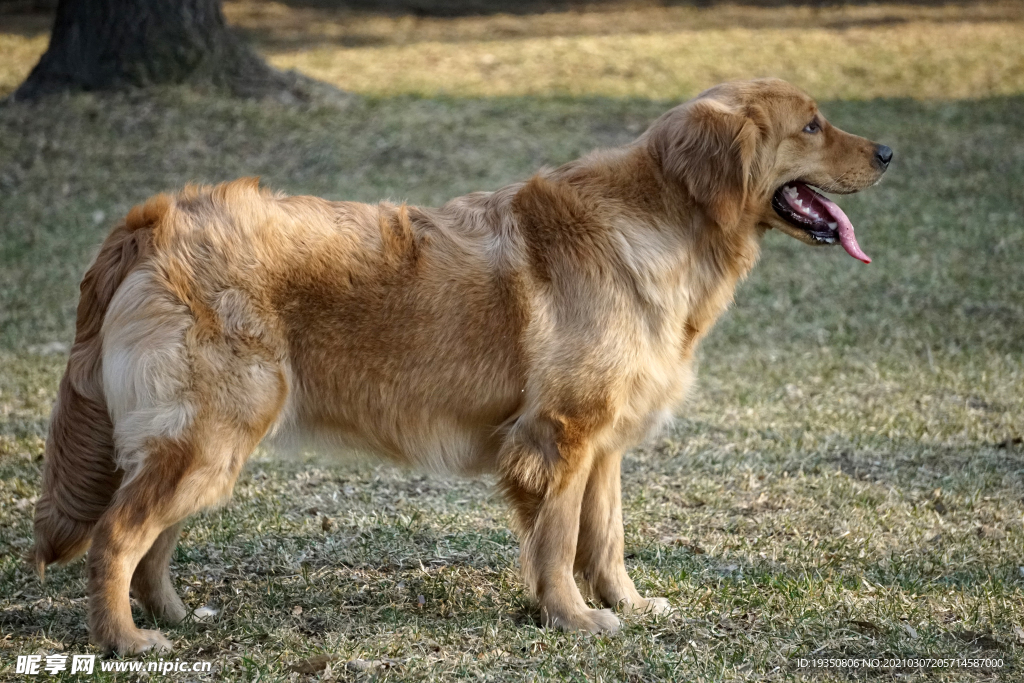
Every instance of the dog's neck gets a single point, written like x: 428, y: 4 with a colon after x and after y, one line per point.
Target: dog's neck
x: 683, y: 266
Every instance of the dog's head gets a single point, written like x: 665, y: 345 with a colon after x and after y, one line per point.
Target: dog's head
x: 752, y: 153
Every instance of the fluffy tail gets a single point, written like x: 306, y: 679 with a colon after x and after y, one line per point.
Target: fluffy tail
x: 79, y: 471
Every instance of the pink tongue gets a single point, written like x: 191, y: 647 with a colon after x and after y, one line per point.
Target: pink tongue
x: 845, y: 227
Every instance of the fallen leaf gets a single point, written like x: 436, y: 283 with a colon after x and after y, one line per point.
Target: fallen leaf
x: 204, y: 612
x: 911, y: 631
x: 297, y: 610
x: 313, y: 664
x: 370, y: 664
x: 866, y: 625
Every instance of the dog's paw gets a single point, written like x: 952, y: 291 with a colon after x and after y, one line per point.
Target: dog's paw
x: 588, y: 621
x: 646, y: 606
x: 142, y: 640
x: 602, y: 621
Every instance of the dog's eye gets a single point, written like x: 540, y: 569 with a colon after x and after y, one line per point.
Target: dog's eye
x: 812, y: 127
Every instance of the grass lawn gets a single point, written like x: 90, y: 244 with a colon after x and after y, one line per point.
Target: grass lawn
x: 847, y: 480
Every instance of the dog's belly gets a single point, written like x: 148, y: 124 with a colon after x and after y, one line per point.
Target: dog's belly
x: 439, y: 446
x: 444, y: 403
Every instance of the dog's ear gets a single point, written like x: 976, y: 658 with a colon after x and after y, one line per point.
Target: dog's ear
x: 709, y: 148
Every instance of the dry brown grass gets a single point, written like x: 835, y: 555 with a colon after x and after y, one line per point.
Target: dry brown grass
x: 909, y: 60
x: 860, y: 52
x: 279, y: 24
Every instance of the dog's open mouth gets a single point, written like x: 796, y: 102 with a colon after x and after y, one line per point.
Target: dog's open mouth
x: 803, y: 207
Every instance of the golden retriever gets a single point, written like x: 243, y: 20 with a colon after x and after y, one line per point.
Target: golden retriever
x: 535, y: 332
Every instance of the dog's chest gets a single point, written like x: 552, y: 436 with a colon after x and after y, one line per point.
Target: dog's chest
x: 655, y: 384
x: 660, y: 372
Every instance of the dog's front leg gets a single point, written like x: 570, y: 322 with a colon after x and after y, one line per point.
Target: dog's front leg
x: 600, y: 548
x: 545, y: 477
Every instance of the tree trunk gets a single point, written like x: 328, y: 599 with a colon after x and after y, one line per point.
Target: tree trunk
x: 110, y: 44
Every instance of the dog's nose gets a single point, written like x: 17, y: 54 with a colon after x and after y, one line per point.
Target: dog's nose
x: 884, y: 155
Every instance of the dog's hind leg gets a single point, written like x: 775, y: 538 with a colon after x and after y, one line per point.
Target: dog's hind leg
x: 182, y: 445
x: 600, y: 548
x: 142, y: 509
x: 151, y: 582
x: 174, y: 478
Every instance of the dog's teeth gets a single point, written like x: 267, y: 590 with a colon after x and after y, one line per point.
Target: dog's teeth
x: 791, y: 192
x: 833, y: 225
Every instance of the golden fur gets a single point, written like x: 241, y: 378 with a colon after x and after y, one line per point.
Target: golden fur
x: 536, y: 332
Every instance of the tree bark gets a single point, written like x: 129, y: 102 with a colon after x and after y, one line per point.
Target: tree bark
x: 112, y: 44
